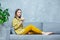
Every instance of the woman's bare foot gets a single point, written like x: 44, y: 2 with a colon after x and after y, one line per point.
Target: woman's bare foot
x: 47, y: 33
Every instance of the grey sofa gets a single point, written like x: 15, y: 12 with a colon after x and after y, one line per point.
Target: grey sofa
x: 45, y: 26
x: 4, y: 32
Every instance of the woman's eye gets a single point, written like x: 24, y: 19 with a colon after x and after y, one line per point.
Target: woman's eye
x: 19, y: 12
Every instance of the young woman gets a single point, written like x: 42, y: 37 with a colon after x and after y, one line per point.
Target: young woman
x: 30, y: 29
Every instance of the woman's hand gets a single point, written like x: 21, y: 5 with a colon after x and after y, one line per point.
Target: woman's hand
x: 21, y: 22
x: 22, y: 19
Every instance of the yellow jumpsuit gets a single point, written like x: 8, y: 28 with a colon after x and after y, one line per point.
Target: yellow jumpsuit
x: 20, y: 30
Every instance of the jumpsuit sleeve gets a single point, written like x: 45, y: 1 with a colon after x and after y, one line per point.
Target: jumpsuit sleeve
x: 16, y: 24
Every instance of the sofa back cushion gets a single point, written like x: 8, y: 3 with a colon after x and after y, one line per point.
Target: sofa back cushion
x: 37, y: 24
x: 51, y: 27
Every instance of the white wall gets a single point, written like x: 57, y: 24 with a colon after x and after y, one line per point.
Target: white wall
x: 34, y: 10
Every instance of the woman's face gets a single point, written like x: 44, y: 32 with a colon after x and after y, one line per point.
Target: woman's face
x: 18, y: 13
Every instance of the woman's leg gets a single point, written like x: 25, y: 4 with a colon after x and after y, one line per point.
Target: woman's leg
x: 26, y: 29
x: 30, y: 28
x: 36, y: 30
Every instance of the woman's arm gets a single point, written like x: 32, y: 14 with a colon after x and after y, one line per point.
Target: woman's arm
x: 16, y: 23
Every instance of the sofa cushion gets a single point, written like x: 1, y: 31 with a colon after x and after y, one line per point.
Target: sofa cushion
x: 51, y: 37
x: 51, y: 27
x: 35, y: 37
x: 25, y: 37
